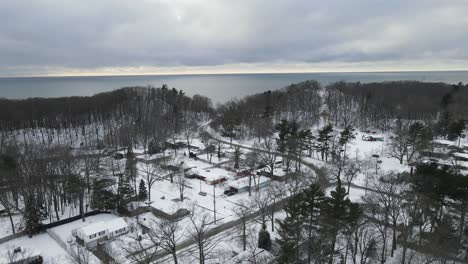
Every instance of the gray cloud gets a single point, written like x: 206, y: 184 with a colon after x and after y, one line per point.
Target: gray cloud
x: 54, y: 34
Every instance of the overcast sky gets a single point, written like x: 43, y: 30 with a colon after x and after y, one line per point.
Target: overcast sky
x: 78, y: 37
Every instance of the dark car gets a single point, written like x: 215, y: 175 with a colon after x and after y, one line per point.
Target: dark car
x: 229, y: 193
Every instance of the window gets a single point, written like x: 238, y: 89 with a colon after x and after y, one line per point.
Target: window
x: 101, y: 233
x: 120, y: 231
x: 92, y: 236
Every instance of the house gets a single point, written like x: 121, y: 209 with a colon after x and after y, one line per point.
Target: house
x: 279, y: 173
x: 91, y: 234
x: 211, y: 176
x: 242, y: 184
x: 372, y: 138
x: 460, y: 156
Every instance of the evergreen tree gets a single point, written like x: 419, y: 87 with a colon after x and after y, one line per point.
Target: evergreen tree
x: 290, y: 230
x: 339, y: 213
x: 264, y: 240
x: 417, y: 139
x: 324, y: 137
x: 314, y: 198
x: 345, y: 137
x: 455, y: 130
x: 124, y: 188
x: 101, y: 198
x: 32, y: 217
x: 443, y: 243
x: 283, y: 131
x: 131, y: 172
x: 142, y: 192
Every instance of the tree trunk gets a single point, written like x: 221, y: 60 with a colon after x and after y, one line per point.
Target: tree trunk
x: 394, y: 242
x: 11, y: 221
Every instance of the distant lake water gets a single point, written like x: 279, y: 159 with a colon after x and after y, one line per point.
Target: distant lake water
x: 219, y: 87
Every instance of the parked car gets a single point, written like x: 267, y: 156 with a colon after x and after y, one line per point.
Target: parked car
x: 229, y: 193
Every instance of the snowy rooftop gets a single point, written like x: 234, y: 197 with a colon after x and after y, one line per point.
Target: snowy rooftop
x: 212, y: 174
x: 116, y: 224
x: 461, y: 155
x: 93, y: 228
x: 111, y: 226
x: 244, y: 182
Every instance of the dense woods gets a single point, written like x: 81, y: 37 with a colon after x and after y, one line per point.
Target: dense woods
x: 376, y: 105
x: 255, y: 115
x: 120, y: 118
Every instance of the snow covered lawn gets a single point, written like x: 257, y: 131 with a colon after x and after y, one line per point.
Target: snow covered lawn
x: 49, y: 249
x: 5, y: 225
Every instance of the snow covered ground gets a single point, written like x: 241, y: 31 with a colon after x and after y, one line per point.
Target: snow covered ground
x: 48, y: 248
x: 5, y: 225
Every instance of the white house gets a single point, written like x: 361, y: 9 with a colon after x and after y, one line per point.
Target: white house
x: 117, y: 227
x: 91, y: 234
x: 242, y: 184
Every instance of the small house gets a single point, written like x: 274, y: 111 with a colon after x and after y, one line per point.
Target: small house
x: 211, y: 176
x: 242, y: 185
x: 116, y: 228
x: 372, y: 138
x: 91, y: 234
x: 460, y: 156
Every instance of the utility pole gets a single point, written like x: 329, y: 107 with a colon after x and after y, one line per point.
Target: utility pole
x: 214, y: 202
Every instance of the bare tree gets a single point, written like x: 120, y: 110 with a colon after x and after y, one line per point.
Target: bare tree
x: 153, y: 173
x: 351, y: 170
x: 189, y: 130
x: 169, y: 236
x: 80, y: 255
x: 256, y: 255
x: 269, y: 155
x: 398, y: 145
x: 8, y: 206
x: 276, y: 193
x: 141, y: 248
x: 260, y: 204
x: 362, y: 242
x: 181, y: 181
x: 249, y: 165
x: 209, y: 144
x: 205, y: 243
x: 16, y: 255
x: 242, y: 212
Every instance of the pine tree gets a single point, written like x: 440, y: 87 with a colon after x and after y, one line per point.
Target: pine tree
x: 131, y: 172
x: 142, y: 192
x: 345, y: 137
x: 324, y: 137
x: 455, y: 130
x: 125, y: 188
x: 101, y: 198
x: 290, y: 230
x: 339, y: 213
x: 314, y: 198
x: 264, y: 240
x: 33, y: 216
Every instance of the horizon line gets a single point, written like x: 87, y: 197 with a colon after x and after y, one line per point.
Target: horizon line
x: 221, y: 73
